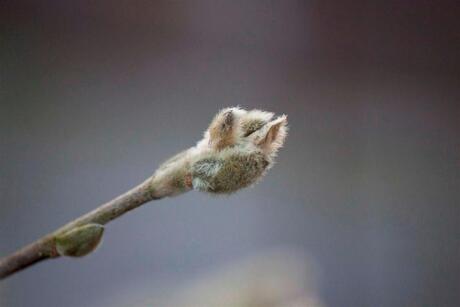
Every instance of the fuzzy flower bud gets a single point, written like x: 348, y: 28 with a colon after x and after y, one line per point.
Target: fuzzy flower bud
x: 236, y: 151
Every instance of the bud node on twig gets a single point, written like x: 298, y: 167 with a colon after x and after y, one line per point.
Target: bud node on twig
x: 79, y: 241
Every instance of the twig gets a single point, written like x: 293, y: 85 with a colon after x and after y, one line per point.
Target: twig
x: 82, y: 235
x: 47, y: 246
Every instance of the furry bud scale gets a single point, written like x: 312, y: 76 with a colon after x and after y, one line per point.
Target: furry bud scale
x: 236, y: 151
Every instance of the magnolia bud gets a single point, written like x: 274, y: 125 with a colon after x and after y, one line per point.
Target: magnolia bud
x: 237, y: 149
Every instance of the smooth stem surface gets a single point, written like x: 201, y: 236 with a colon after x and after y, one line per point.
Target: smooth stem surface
x: 45, y: 247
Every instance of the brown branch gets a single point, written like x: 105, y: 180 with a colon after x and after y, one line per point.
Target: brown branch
x: 82, y: 235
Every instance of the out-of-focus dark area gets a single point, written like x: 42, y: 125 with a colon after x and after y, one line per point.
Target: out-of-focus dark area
x: 95, y: 94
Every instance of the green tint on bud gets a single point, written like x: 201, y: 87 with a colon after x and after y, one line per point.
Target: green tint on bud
x: 79, y: 241
x: 229, y: 173
x: 237, y: 149
x: 242, y: 159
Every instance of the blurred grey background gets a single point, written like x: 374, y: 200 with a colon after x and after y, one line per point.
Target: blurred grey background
x: 95, y: 94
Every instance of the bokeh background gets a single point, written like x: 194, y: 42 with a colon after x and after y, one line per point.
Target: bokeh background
x: 95, y: 94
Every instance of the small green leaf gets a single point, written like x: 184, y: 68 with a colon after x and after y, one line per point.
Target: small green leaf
x: 80, y: 241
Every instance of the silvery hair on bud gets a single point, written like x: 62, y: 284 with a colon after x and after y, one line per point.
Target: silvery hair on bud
x: 237, y: 149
